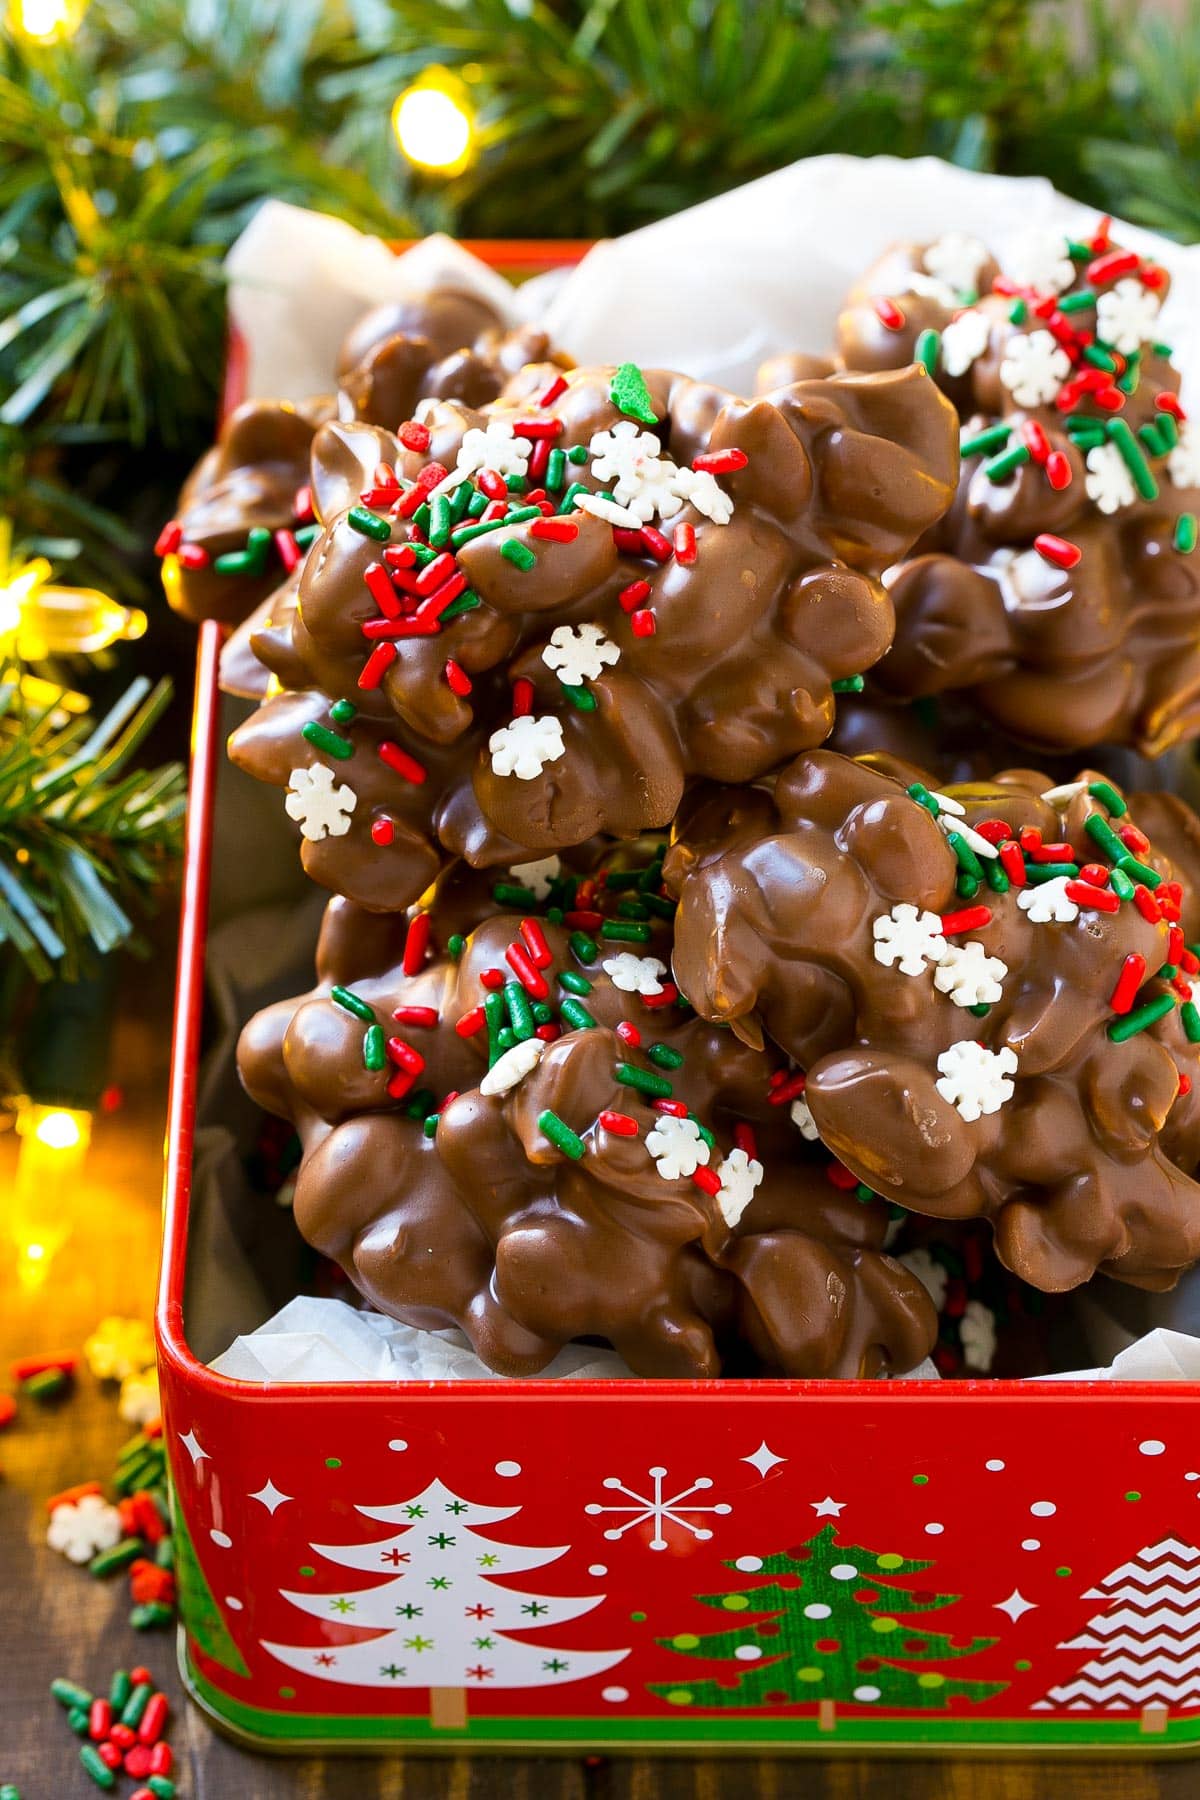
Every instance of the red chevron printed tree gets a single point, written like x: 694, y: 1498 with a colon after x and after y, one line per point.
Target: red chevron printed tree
x: 827, y: 1627
x: 1148, y: 1637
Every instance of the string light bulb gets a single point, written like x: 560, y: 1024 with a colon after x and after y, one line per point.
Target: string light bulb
x: 54, y: 1143
x: 434, y: 123
x: 45, y: 21
x: 39, y: 618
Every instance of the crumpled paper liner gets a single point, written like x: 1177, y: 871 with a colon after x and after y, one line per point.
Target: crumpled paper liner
x: 714, y: 291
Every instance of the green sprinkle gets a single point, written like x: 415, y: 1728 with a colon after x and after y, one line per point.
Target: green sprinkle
x: 1089, y: 439
x: 1036, y: 873
x: 543, y: 1012
x: 1151, y: 440
x: 554, y: 914
x: 424, y: 555
x: 556, y: 470
x: 342, y: 712
x: 632, y: 909
x: 583, y: 946
x: 466, y: 534
x: 506, y: 1038
x: 421, y: 520
x: 430, y: 1126
x: 1079, y: 252
x: 120, y: 1688
x: 441, y: 519
x: 370, y: 524
x: 477, y: 504
x: 665, y: 1056
x: 1082, y: 422
x: 321, y: 738
x: 561, y: 1135
x: 69, y: 1693
x: 705, y: 1134
x: 1168, y: 972
x: 575, y: 983
x: 1018, y: 312
x: 617, y: 880
x: 467, y: 602
x: 967, y: 886
x: 164, y: 1555
x: 517, y: 553
x: 625, y: 931
x: 1131, y: 452
x: 519, y: 1010
x: 864, y: 1194
x: 657, y: 1086
x: 79, y: 1722
x: 461, y: 499
x: 660, y: 905
x: 1129, y: 380
x: 923, y: 797
x: 1107, y: 795
x: 991, y: 439
x: 1190, y: 1019
x: 150, y: 1615
x: 1163, y: 350
x: 1099, y: 359
x: 135, y: 1706
x: 456, y: 943
x: 1168, y: 430
x: 1001, y: 467
x: 374, y: 1049
x: 423, y: 1101
x: 1140, y: 1018
x: 967, y: 858
x: 352, y: 1004
x: 308, y: 534
x: 1103, y: 834
x: 572, y: 494
x: 577, y: 453
x: 629, y: 394
x: 506, y: 894
x: 99, y: 1771
x: 1185, y: 533
x: 576, y: 1014
x: 997, y: 880
x: 119, y: 1557
x: 161, y: 1786
x: 1140, y: 871
x: 851, y: 684
x: 925, y: 350
x: 235, y: 562
x: 981, y: 1011
x: 580, y: 697
x: 1122, y: 887
x: 1078, y: 301
x: 495, y: 1012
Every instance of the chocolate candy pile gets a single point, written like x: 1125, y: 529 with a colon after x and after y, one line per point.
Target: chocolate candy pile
x: 639, y: 1017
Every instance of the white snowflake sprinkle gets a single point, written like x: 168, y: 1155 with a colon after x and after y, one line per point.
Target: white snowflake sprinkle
x: 635, y: 974
x: 1127, y: 315
x: 956, y: 258
x: 608, y: 510
x: 963, y: 341
x: 929, y: 1272
x: 513, y: 1066
x: 676, y: 1146
x: 537, y: 876
x: 1034, y: 368
x: 139, y: 1402
x: 977, y: 1330
x: 1183, y: 464
x: 803, y: 1120
x: 969, y: 975
x: 80, y: 1529
x: 578, y: 653
x: 525, y: 745
x: 1048, y: 902
x: 1042, y: 259
x: 320, y: 808
x: 632, y: 462
x: 975, y: 1080
x: 908, y: 940
x: 701, y: 489
x: 929, y: 288
x: 739, y: 1176
x: 494, y: 447
x: 1108, y: 481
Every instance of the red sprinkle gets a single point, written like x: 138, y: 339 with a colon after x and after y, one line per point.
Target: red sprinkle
x: 549, y: 395
x: 404, y: 1056
x: 69, y: 1496
x: 1057, y: 550
x: 790, y: 1088
x: 1111, y: 267
x: 675, y: 1108
x: 841, y: 1176
x: 888, y: 313
x: 434, y: 573
x: 492, y: 979
x: 424, y: 1016
x: 1152, y: 276
x: 169, y: 538
x: 26, y: 1366
x: 968, y: 918
x: 629, y: 1034
x: 539, y: 460
x: 99, y: 1720
x: 707, y: 1180
x: 1013, y: 863
x: 548, y: 1032
x: 1147, y: 905
x: 141, y: 1677
x: 1134, y: 840
x: 1099, y: 899
x: 414, y: 436
x: 658, y: 546
x: 620, y: 1124
x: 290, y: 553
x: 1171, y: 403
x: 192, y: 556
x: 122, y: 1736
x: 642, y: 623
x: 1189, y: 962
x: 416, y: 942
x: 492, y: 483
x: 401, y: 763
x: 685, y: 544
x: 1042, y: 853
x: 526, y: 971
x: 162, y: 1759
x: 744, y: 1139
x: 629, y: 543
x: 535, y: 943
x: 522, y: 697
x: 377, y: 665
x: 1133, y: 973
x: 583, y: 919
x: 1029, y: 838
x: 109, y: 1755
x: 558, y: 531
x: 631, y: 597
x: 457, y: 679
x: 1035, y: 440
x: 1058, y: 470
x: 1095, y: 874
x: 8, y: 1410
x: 302, y: 505
x: 668, y: 997
x: 1175, y: 945
x: 1185, y: 1085
x: 153, y: 1719
x: 379, y: 585
x: 471, y: 1022
x: 538, y: 428
x: 720, y: 462
x: 994, y: 830
x: 400, y: 1084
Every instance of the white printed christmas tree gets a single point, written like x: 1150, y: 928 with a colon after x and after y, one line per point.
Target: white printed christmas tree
x: 1148, y: 1637
x: 441, y: 1621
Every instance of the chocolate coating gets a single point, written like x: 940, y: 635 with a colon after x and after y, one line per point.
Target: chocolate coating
x: 1106, y: 651
x: 489, y: 1225
x: 1082, y: 1156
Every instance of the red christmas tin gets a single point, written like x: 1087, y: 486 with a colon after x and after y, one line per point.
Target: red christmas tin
x: 658, y: 1564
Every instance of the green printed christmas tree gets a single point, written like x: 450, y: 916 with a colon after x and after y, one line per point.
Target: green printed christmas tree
x: 828, y: 1626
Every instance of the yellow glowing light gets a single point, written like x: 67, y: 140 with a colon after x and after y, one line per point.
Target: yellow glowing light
x: 434, y: 125
x: 58, y: 1129
x: 45, y: 21
x: 38, y: 620
x: 46, y: 1194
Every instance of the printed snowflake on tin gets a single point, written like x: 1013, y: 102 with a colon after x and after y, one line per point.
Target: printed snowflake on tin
x: 739, y: 1175
x: 1042, y: 259
x: 908, y: 940
x: 969, y: 975
x: 1034, y: 368
x: 635, y: 974
x: 632, y: 462
x: 975, y: 1080
x: 1183, y: 464
x: 659, y: 1510
x: 964, y: 340
x: 1049, y: 903
x: 320, y: 805
x: 524, y: 746
x: 579, y: 653
x: 676, y: 1146
x: 1127, y: 315
x: 956, y: 258
x: 1108, y: 481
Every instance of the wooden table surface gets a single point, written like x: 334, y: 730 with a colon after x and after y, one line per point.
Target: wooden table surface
x: 55, y: 1619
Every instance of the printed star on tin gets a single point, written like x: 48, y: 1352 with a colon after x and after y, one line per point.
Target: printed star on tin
x: 828, y: 1508
x: 764, y: 1459
x: 270, y: 1496
x: 1016, y: 1605
x: 191, y: 1444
